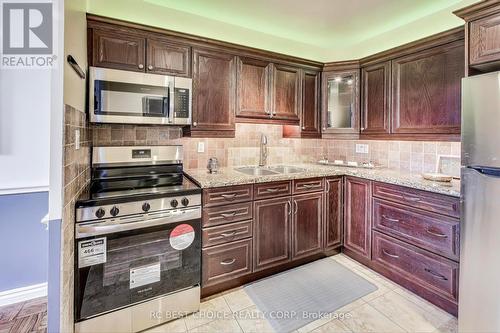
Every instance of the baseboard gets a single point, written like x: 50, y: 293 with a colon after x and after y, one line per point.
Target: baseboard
x: 23, y: 294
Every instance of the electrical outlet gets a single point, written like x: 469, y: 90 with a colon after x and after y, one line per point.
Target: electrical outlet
x: 77, y: 139
x: 361, y: 148
x: 201, y: 147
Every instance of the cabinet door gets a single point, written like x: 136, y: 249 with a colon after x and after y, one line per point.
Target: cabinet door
x: 310, y: 118
x: 252, y: 81
x: 333, y: 213
x: 485, y: 40
x: 286, y: 93
x: 118, y: 50
x: 426, y: 90
x: 375, y: 92
x: 357, y: 230
x: 214, y: 76
x: 340, y: 91
x: 306, y: 227
x: 166, y: 57
x: 272, y: 222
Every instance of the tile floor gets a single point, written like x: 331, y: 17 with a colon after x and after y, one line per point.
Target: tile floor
x: 388, y: 309
x: 24, y: 317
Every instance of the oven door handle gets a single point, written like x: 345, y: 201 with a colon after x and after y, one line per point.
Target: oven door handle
x: 113, y: 226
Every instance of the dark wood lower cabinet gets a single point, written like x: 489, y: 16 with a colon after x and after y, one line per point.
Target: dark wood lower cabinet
x: 306, y: 226
x: 253, y: 231
x: 272, y: 227
x: 332, y: 236
x: 357, y: 223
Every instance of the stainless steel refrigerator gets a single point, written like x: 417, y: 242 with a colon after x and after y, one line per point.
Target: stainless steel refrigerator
x: 479, y: 293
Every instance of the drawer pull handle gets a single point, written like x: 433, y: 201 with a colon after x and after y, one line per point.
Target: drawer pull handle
x: 308, y: 186
x: 385, y: 217
x: 226, y: 215
x: 389, y: 254
x: 296, y: 208
x: 226, y: 263
x: 231, y: 234
x: 411, y: 199
x: 436, y: 275
x: 289, y: 207
x: 429, y: 231
x: 228, y: 196
x: 272, y: 190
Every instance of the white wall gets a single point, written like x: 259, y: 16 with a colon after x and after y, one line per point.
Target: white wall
x: 24, y: 129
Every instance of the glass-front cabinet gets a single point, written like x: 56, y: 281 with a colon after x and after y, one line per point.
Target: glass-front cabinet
x: 341, y: 103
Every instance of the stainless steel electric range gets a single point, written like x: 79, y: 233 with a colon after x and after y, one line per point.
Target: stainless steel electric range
x: 137, y: 241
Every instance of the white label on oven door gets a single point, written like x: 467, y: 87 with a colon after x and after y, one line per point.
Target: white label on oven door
x: 181, y: 237
x: 143, y: 275
x: 92, y: 252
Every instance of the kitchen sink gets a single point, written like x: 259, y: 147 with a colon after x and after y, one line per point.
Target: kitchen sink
x: 268, y: 171
x: 287, y: 169
x: 256, y: 171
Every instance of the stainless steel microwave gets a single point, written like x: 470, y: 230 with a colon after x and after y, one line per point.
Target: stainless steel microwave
x: 125, y: 97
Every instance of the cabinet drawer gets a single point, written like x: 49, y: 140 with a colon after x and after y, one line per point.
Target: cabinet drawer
x: 226, y: 233
x: 227, y: 195
x: 226, y: 214
x: 428, y: 270
x: 433, y: 202
x: 272, y: 190
x: 226, y: 262
x: 436, y: 233
x: 308, y: 185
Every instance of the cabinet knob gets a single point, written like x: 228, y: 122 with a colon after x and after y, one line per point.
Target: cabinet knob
x: 324, y: 128
x: 141, y: 66
x: 303, y: 127
x: 195, y: 123
x: 150, y: 67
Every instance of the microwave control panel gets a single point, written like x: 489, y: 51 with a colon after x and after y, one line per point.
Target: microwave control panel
x: 181, y: 103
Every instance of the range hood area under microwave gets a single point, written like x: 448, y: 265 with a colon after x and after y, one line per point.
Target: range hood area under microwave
x: 124, y: 97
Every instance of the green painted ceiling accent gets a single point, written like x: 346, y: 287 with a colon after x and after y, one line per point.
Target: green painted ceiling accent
x: 323, y: 30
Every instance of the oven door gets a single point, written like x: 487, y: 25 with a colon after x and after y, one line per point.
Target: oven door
x: 117, y: 269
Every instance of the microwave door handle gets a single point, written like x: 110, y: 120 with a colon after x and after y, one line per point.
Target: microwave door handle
x: 171, y: 101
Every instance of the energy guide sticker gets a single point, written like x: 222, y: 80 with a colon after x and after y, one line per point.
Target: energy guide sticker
x: 92, y: 252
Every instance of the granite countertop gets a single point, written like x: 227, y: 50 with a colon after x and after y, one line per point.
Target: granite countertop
x: 229, y: 176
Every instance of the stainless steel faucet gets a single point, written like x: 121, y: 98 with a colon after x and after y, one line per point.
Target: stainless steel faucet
x: 263, y: 150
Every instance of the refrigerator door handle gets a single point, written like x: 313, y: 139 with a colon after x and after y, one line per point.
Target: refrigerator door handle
x: 487, y: 171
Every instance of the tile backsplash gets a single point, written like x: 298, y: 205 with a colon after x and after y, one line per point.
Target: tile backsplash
x: 415, y: 156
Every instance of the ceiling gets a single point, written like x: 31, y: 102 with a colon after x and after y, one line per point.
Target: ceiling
x: 323, y: 30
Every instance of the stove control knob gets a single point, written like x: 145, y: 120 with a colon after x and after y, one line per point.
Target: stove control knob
x: 174, y: 203
x: 185, y: 201
x: 100, y: 213
x: 146, y: 207
x: 114, y: 211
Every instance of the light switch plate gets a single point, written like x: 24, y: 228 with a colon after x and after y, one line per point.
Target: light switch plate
x: 201, y: 147
x: 361, y: 148
x: 77, y: 139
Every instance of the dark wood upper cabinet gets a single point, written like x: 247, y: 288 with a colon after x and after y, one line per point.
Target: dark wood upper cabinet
x: 166, y: 57
x: 426, y: 89
x: 375, y: 98
x: 214, y: 75
x: 272, y: 227
x: 482, y: 30
x: 333, y: 213
x: 252, y: 81
x: 286, y: 93
x: 118, y: 50
x: 306, y: 226
x: 310, y: 120
x: 357, y: 228
x: 340, y: 94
